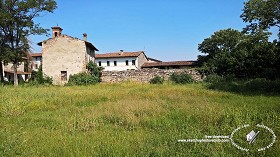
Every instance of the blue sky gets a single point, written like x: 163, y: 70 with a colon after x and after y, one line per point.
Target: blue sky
x: 168, y: 30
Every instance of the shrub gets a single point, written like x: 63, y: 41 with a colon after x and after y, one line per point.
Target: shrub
x: 181, y: 78
x: 40, y: 78
x: 86, y: 78
x: 33, y: 75
x: 213, y: 78
x: 94, y: 69
x: 252, y: 86
x: 82, y: 78
x: 47, y: 80
x: 157, y: 80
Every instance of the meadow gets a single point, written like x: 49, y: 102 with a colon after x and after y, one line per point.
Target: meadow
x: 131, y: 119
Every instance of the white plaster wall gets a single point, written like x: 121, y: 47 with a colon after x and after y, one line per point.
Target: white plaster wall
x: 36, y: 60
x: 10, y: 67
x: 121, y: 64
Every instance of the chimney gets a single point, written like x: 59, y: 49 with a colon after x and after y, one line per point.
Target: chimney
x: 56, y: 31
x: 121, y: 52
x: 85, y: 36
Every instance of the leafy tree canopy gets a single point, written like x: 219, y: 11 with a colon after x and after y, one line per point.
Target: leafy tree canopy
x: 261, y: 14
x: 230, y: 52
x: 17, y: 23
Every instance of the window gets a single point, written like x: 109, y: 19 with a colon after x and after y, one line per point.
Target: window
x: 126, y: 62
x: 36, y: 66
x: 99, y: 63
x: 63, y: 75
x: 108, y: 63
x: 115, y: 63
x: 55, y: 34
x: 133, y: 62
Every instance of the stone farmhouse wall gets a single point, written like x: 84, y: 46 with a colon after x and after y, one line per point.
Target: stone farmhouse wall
x: 145, y: 75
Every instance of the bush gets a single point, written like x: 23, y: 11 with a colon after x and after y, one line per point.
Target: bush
x: 82, y: 78
x: 181, y: 78
x: 252, y: 86
x: 94, y: 69
x: 47, y: 80
x: 40, y: 78
x: 213, y: 78
x: 86, y: 78
x: 157, y: 80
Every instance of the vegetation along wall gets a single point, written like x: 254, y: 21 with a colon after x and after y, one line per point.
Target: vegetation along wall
x: 145, y: 75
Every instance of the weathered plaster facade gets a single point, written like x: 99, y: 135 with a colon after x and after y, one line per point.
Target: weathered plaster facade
x: 36, y: 61
x: 64, y: 56
x: 23, y: 71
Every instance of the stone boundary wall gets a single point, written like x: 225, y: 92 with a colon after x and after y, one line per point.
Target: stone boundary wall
x: 145, y: 75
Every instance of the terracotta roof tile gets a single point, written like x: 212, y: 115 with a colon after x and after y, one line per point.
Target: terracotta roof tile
x: 118, y: 54
x: 152, y: 59
x: 163, y: 64
x: 36, y: 54
x: 18, y: 72
x: 67, y: 36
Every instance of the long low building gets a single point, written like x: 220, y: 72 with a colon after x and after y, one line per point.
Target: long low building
x: 170, y: 65
x: 121, y: 61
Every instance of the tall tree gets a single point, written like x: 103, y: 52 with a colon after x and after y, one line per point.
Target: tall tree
x: 2, y: 43
x: 218, y: 49
x: 230, y: 52
x: 17, y: 23
x: 261, y: 14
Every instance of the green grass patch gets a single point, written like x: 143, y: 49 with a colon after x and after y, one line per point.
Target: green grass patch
x: 130, y: 119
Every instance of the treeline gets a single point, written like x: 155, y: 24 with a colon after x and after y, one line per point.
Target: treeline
x: 247, y: 53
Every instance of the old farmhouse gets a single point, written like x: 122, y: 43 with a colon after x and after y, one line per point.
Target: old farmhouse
x: 64, y: 55
x: 121, y: 61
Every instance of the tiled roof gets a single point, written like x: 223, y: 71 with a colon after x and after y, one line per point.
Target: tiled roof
x: 174, y: 63
x: 152, y: 59
x: 64, y: 35
x: 36, y: 54
x: 18, y: 72
x: 118, y: 54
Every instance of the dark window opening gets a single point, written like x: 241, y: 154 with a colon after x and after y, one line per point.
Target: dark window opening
x: 25, y: 67
x: 36, y: 66
x: 133, y: 62
x: 99, y: 63
x: 26, y: 77
x: 63, y: 75
x: 115, y: 63
x: 108, y: 63
x: 126, y: 62
x: 55, y: 34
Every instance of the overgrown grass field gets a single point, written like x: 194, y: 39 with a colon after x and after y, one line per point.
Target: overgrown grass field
x: 130, y: 119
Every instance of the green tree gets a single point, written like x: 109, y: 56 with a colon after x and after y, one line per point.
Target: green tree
x: 17, y: 23
x: 261, y: 14
x: 218, y: 49
x: 94, y: 69
x: 230, y: 52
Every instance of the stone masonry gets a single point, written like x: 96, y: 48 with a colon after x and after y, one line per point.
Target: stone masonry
x: 145, y: 75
